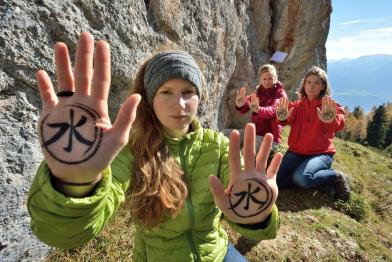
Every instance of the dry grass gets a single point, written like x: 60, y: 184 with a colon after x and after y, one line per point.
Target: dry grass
x: 313, y: 226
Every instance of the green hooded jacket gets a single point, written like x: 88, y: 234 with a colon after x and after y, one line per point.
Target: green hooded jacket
x: 195, y: 234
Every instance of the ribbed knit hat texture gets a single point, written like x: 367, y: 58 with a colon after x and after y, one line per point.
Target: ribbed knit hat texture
x: 168, y: 65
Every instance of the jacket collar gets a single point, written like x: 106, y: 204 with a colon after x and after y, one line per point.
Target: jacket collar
x: 194, y: 131
x: 311, y: 103
x: 262, y: 91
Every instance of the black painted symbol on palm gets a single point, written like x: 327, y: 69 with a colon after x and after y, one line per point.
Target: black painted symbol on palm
x: 328, y: 115
x: 68, y: 133
x: 240, y: 101
x: 250, y: 200
x: 282, y: 114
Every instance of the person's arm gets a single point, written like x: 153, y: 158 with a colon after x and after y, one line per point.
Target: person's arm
x: 265, y: 228
x: 269, y: 112
x: 339, y: 121
x: 79, y: 144
x: 245, y: 108
x: 287, y: 109
x: 67, y: 222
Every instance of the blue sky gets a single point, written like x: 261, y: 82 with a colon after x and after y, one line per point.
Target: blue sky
x: 359, y: 28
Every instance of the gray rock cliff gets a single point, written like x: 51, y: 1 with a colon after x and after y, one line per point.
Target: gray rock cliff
x: 230, y: 40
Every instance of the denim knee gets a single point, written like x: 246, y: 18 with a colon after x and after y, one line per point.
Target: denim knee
x: 302, y: 180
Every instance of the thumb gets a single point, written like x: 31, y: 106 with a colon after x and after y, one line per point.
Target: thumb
x: 217, y: 191
x: 274, y: 166
x: 290, y: 110
x: 127, y: 114
x: 319, y: 113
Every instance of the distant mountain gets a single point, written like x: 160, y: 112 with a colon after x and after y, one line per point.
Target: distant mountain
x: 365, y: 81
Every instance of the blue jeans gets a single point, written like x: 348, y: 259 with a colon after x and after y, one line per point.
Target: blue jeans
x: 232, y: 255
x: 306, y: 171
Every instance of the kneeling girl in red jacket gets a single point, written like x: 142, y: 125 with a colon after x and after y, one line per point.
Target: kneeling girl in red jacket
x: 314, y: 119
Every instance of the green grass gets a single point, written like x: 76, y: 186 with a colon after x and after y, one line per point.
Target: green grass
x: 313, y: 226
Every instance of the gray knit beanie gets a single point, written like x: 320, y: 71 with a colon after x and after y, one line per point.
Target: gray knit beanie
x: 168, y: 65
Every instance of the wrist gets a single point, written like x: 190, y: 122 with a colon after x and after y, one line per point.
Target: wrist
x: 239, y: 105
x: 261, y: 225
x: 73, y: 189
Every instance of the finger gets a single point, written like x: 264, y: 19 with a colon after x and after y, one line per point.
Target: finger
x: 234, y: 155
x: 319, y: 114
x: 63, y: 68
x: 243, y: 91
x: 84, y: 63
x: 46, y: 90
x: 102, y: 75
x: 329, y: 103
x: 283, y: 103
x: 280, y: 104
x: 249, y: 146
x: 126, y: 115
x: 264, y: 151
x: 289, y: 112
x: 218, y: 191
x: 274, y: 166
x: 286, y: 103
x: 323, y: 104
x: 255, y: 99
x: 333, y: 106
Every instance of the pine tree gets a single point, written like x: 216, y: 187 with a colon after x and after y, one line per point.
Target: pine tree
x: 377, y: 128
x: 358, y: 112
x: 388, y: 136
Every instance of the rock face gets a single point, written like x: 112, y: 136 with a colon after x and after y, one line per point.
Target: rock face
x: 230, y: 40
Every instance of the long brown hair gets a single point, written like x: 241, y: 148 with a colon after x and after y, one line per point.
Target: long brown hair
x: 157, y: 185
x: 315, y: 71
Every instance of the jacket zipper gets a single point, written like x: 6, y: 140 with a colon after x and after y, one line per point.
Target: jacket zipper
x: 190, y: 207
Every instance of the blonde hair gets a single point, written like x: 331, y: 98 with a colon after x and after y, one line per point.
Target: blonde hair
x: 157, y: 179
x: 317, y: 71
x: 268, y: 68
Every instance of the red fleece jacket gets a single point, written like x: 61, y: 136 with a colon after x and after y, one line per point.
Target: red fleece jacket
x: 264, y: 119
x: 308, y: 135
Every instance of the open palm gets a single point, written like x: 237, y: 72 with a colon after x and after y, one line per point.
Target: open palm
x: 240, y: 99
x: 252, y: 190
x: 327, y: 112
x: 282, y: 109
x: 76, y: 135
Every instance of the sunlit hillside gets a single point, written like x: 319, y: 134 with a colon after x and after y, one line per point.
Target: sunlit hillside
x: 313, y: 226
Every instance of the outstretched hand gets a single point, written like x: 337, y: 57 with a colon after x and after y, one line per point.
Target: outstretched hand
x: 327, y: 113
x: 282, y: 109
x: 252, y: 190
x: 76, y: 135
x: 254, y: 103
x: 240, y: 99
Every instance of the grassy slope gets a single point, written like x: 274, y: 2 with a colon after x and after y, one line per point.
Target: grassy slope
x: 313, y: 226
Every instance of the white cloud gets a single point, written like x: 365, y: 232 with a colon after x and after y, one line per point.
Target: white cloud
x: 381, y: 32
x: 365, y: 42
x: 351, y: 22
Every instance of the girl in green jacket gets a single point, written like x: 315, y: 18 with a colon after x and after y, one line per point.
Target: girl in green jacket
x: 181, y: 177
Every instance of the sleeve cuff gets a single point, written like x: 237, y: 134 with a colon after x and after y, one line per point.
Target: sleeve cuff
x: 261, y: 225
x: 43, y: 188
x: 269, y: 230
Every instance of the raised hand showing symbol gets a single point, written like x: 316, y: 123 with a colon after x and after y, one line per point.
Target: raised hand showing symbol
x: 254, y: 103
x: 252, y: 190
x: 77, y: 138
x: 327, y: 112
x: 282, y: 109
x: 240, y: 99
